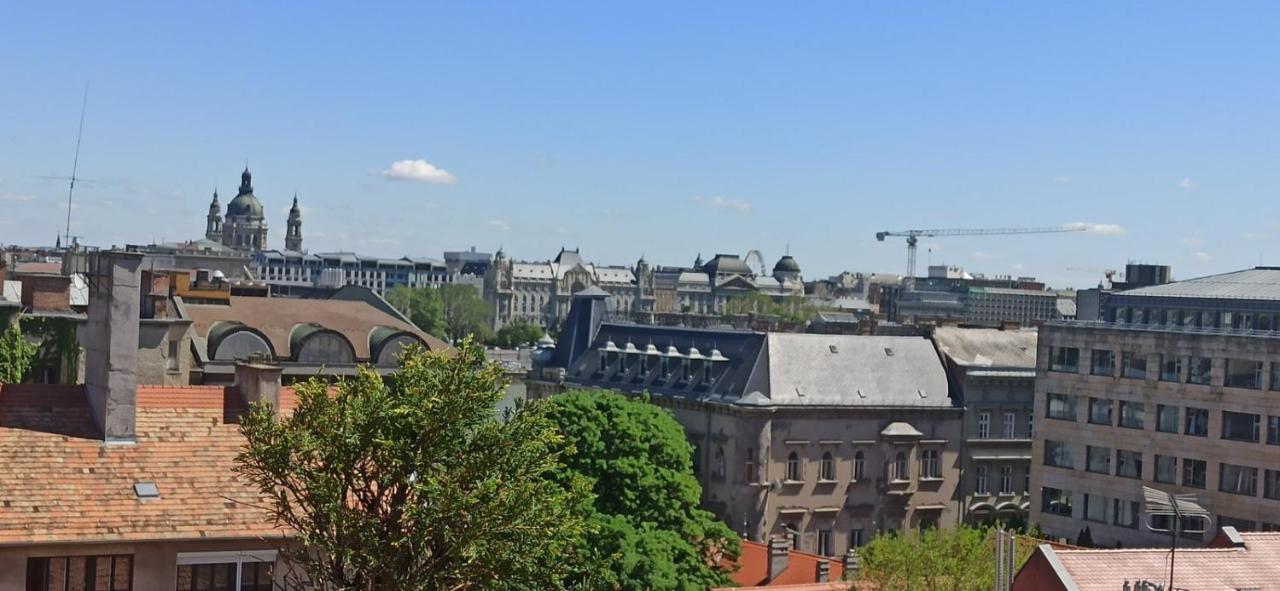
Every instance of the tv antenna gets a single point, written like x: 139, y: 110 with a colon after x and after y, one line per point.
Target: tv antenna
x: 75, y: 163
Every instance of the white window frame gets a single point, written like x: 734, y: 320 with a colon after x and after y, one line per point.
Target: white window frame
x: 239, y: 557
x: 1010, y: 427
x: 984, y: 425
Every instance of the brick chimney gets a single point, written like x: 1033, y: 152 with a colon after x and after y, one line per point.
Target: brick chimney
x: 111, y: 343
x: 779, y: 546
x: 823, y: 573
x: 851, y: 563
x: 259, y: 380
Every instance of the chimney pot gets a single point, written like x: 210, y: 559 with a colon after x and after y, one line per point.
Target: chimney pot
x: 259, y: 380
x: 823, y: 573
x: 851, y: 563
x: 779, y: 547
x: 111, y: 343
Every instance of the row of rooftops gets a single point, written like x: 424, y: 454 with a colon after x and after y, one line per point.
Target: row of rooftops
x: 349, y: 258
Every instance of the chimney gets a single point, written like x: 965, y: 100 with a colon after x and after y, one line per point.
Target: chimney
x: 779, y: 546
x: 823, y: 573
x: 259, y: 380
x: 851, y: 563
x: 111, y: 343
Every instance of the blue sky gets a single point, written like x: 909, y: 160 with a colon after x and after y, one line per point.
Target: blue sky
x: 662, y: 129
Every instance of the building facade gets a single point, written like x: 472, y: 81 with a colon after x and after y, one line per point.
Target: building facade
x: 285, y: 269
x: 1175, y: 389
x: 822, y: 439
x: 244, y: 226
x: 993, y: 375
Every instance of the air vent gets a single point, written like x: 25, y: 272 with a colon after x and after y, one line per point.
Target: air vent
x: 860, y: 394
x: 888, y: 351
x: 833, y: 348
x: 146, y: 490
x: 922, y: 394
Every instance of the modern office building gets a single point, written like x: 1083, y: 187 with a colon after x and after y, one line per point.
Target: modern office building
x: 286, y: 269
x: 1177, y: 388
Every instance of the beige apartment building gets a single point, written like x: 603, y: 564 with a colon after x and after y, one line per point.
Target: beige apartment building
x: 826, y: 440
x: 1178, y: 388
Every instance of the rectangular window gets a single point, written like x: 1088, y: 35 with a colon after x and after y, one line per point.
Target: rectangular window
x: 1241, y: 426
x: 1271, y: 484
x: 1006, y: 480
x: 1238, y: 480
x: 1244, y: 525
x: 1103, y: 363
x: 1095, y: 508
x: 1275, y: 375
x: 1031, y: 423
x: 1125, y: 513
x: 1132, y: 414
x: 1065, y: 359
x: 1244, y: 373
x: 1193, y: 473
x: 929, y: 464
x: 226, y: 571
x: 1055, y: 501
x: 1170, y: 368
x: 1166, y: 469
x: 1133, y: 365
x: 824, y: 543
x: 1100, y: 411
x: 1197, y: 422
x: 1057, y: 453
x: 984, y: 425
x: 1166, y: 418
x: 1128, y: 463
x: 1273, y: 430
x: 1098, y: 459
x: 980, y: 481
x: 1061, y: 406
x: 1010, y: 425
x: 856, y: 537
x: 62, y: 573
x: 171, y: 362
x: 1199, y: 370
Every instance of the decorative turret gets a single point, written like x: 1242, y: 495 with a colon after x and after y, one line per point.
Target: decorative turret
x: 213, y: 222
x: 293, y: 229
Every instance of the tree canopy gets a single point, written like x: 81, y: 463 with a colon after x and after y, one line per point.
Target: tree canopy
x: 517, y: 334
x: 16, y: 354
x: 960, y: 559
x: 789, y: 308
x: 422, y: 305
x: 453, y: 311
x: 412, y: 481
x: 645, y: 521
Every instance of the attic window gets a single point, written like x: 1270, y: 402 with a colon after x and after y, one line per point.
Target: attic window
x: 922, y: 394
x: 860, y: 394
x: 146, y: 490
x: 833, y: 348
x: 888, y: 351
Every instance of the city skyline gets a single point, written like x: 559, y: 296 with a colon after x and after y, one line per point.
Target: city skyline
x: 607, y: 128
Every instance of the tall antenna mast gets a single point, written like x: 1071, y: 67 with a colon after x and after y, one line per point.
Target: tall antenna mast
x: 76, y: 162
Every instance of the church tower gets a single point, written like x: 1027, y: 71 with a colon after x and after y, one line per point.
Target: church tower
x: 213, y: 222
x: 293, y: 231
x: 245, y: 228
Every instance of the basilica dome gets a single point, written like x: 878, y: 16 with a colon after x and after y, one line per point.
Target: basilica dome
x: 245, y: 204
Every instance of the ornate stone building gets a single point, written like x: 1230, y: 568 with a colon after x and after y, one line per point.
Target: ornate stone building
x: 244, y: 227
x: 540, y: 292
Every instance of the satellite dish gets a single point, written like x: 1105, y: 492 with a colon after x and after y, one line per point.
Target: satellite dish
x: 755, y: 261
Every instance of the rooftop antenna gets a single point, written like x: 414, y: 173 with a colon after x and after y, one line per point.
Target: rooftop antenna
x: 75, y: 163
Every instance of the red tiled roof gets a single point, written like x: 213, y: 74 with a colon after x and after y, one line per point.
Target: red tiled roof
x: 60, y: 483
x: 1256, y: 565
x: 802, y: 567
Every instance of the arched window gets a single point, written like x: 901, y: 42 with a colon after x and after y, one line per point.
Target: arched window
x: 898, y: 470
x: 929, y: 467
x: 859, y: 465
x: 793, y: 466
x: 828, y: 469
x: 750, y: 475
x: 719, y: 463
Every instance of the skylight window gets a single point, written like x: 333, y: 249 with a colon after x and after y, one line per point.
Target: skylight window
x: 146, y: 490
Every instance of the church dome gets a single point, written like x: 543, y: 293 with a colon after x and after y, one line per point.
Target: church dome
x: 786, y: 264
x: 245, y: 203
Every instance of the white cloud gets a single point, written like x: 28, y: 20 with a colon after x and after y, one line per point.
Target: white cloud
x: 1201, y: 256
x: 1186, y: 184
x: 1192, y: 241
x: 1092, y: 228
x: 1064, y: 179
x: 15, y: 198
x: 419, y: 170
x: 720, y: 202
x: 502, y: 225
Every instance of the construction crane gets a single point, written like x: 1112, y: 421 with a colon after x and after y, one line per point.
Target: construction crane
x: 913, y: 237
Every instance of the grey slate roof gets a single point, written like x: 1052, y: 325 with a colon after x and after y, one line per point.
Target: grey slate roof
x: 987, y: 347
x: 1258, y: 283
x: 844, y: 370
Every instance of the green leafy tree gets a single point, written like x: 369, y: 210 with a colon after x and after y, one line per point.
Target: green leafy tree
x: 422, y: 305
x: 517, y: 334
x: 16, y: 354
x: 647, y: 525
x: 960, y: 559
x: 465, y: 312
x: 411, y: 482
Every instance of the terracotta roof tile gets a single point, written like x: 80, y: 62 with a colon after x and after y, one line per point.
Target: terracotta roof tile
x: 802, y: 567
x: 59, y: 482
x: 1257, y: 565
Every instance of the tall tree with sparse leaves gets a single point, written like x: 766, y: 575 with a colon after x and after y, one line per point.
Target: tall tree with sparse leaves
x: 16, y: 354
x: 647, y: 524
x: 412, y: 482
x: 421, y: 305
x: 466, y: 314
